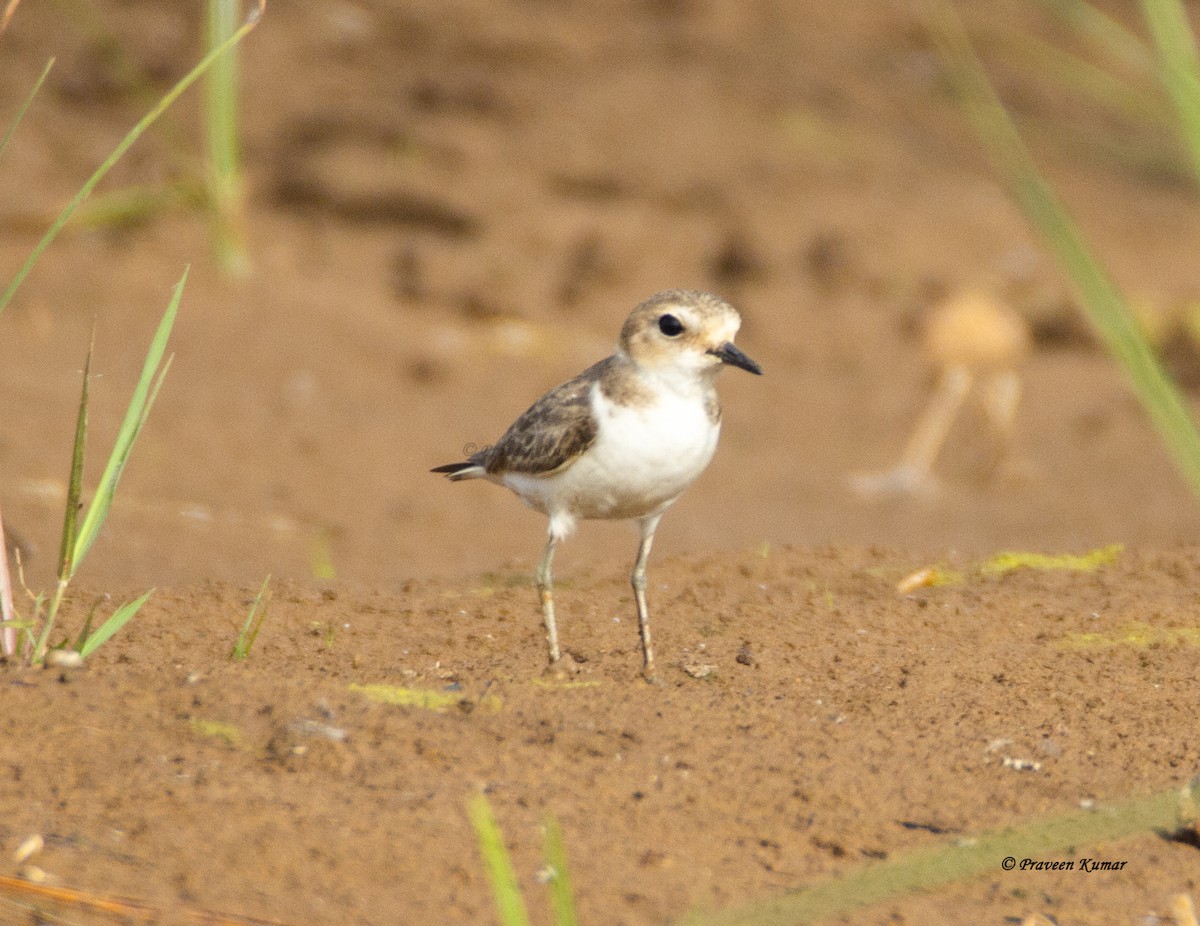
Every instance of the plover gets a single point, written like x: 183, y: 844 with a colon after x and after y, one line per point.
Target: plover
x: 624, y: 438
x: 972, y: 336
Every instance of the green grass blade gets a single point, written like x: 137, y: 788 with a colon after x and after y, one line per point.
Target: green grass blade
x: 562, y: 895
x: 926, y: 870
x: 225, y: 183
x: 8, y: 614
x: 221, y: 95
x: 253, y: 623
x: 158, y: 381
x: 1179, y: 66
x: 143, y: 397
x: 1100, y: 297
x: 1123, y: 97
x: 37, y: 611
x: 43, y: 638
x: 135, y: 204
x: 37, y: 85
x: 1105, y: 33
x: 119, y: 619
x: 86, y: 630
x: 123, y: 146
x: 505, y: 889
x: 75, y: 484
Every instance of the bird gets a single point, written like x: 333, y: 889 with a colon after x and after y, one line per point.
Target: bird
x: 971, y: 337
x: 623, y: 439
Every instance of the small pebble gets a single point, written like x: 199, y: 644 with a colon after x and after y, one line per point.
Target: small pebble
x: 29, y: 847
x: 1183, y: 911
x: 32, y: 874
x: 922, y: 578
x: 63, y: 659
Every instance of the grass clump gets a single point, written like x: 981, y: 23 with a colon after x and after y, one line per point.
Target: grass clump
x: 79, y: 533
x: 506, y: 891
x: 253, y: 623
x: 30, y: 638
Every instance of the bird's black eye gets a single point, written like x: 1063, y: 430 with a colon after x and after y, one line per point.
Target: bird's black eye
x: 670, y: 326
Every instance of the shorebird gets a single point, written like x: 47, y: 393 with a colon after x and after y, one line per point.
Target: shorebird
x: 624, y: 438
x: 970, y: 338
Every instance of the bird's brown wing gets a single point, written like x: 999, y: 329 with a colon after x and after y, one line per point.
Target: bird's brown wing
x: 555, y: 430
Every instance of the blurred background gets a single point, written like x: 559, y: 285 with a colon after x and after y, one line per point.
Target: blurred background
x: 441, y: 210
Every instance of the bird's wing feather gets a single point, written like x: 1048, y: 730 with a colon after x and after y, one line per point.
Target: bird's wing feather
x: 555, y: 430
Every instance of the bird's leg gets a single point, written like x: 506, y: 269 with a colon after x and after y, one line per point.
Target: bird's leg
x: 545, y: 587
x: 1001, y: 396
x: 914, y: 471
x: 926, y: 441
x: 647, y: 527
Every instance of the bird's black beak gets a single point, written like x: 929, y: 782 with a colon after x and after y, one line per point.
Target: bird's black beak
x: 727, y: 353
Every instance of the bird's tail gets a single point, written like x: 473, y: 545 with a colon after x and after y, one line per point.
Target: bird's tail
x: 456, y: 471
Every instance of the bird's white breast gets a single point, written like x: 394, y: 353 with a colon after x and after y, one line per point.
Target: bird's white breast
x: 643, y: 457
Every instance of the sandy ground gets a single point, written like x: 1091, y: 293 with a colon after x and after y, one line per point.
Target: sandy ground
x: 451, y: 208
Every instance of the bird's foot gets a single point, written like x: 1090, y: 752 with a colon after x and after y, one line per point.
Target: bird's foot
x: 902, y: 480
x: 561, y: 670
